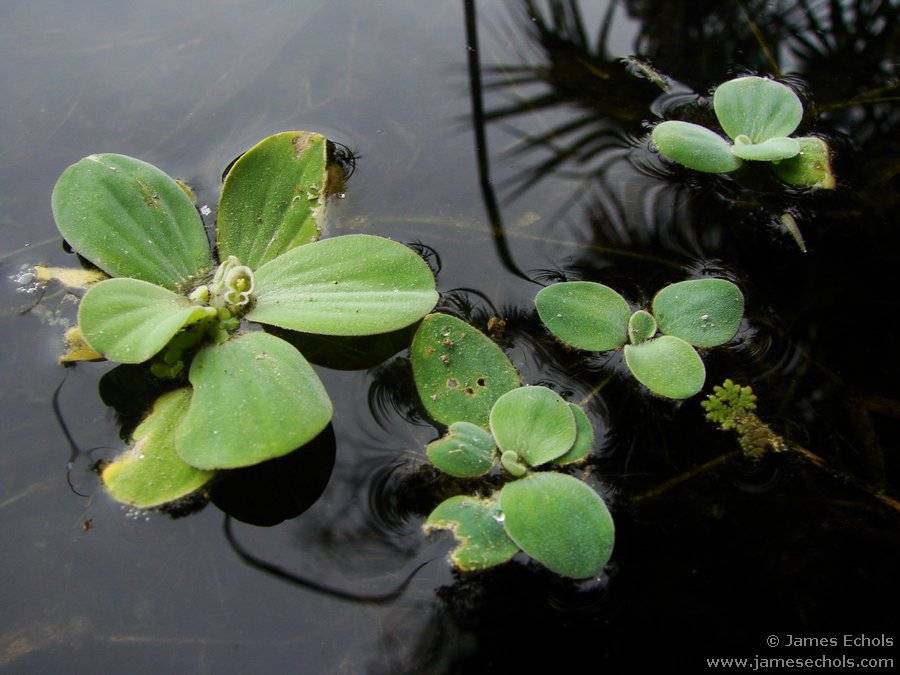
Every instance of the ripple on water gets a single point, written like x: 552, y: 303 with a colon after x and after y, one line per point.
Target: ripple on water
x: 387, y: 500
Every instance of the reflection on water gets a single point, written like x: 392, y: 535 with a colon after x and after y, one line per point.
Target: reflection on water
x: 550, y: 177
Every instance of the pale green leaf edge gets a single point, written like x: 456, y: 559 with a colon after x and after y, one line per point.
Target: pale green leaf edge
x: 150, y: 473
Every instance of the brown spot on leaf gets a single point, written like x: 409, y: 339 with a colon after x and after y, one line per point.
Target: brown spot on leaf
x: 300, y: 143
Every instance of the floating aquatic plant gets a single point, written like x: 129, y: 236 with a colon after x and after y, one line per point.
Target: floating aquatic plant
x: 529, y: 427
x: 733, y: 407
x: 758, y: 115
x: 467, y: 382
x: 249, y: 396
x: 659, y: 345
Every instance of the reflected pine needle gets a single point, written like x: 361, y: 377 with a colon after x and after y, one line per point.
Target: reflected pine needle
x: 75, y: 452
x: 459, y: 302
x: 429, y: 254
x: 549, y: 276
x: 608, y: 99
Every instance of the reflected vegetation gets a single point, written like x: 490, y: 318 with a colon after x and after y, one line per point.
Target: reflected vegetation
x: 605, y: 96
x: 697, y: 221
x: 645, y: 222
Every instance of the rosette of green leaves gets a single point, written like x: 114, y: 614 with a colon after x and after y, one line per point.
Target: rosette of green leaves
x: 758, y: 115
x: 529, y: 427
x: 468, y: 383
x: 252, y: 396
x: 659, y: 345
x: 555, y: 518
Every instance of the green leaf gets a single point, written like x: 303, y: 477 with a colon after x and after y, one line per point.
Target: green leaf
x: 535, y: 423
x: 476, y: 525
x: 584, y: 314
x: 465, y: 452
x: 560, y: 522
x: 758, y: 108
x: 129, y: 321
x: 810, y: 168
x: 667, y: 366
x: 695, y: 147
x: 131, y: 220
x: 771, y: 150
x: 511, y: 461
x: 459, y: 372
x: 150, y: 473
x: 255, y: 398
x: 351, y: 285
x: 703, y: 312
x: 641, y: 326
x: 584, y: 438
x: 273, y: 198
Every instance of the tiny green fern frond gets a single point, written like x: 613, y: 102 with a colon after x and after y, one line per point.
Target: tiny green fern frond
x: 733, y: 407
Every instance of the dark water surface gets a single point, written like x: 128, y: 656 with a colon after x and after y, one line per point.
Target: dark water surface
x: 516, y: 163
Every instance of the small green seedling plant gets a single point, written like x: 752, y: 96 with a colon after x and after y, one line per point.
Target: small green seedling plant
x: 758, y: 115
x: 495, y: 425
x: 659, y: 345
x: 733, y: 407
x: 240, y: 396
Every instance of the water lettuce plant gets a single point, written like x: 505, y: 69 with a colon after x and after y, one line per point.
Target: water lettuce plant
x: 493, y: 423
x: 247, y: 395
x: 529, y: 427
x: 659, y: 345
x: 758, y: 115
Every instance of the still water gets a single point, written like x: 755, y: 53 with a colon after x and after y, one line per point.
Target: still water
x: 509, y: 141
